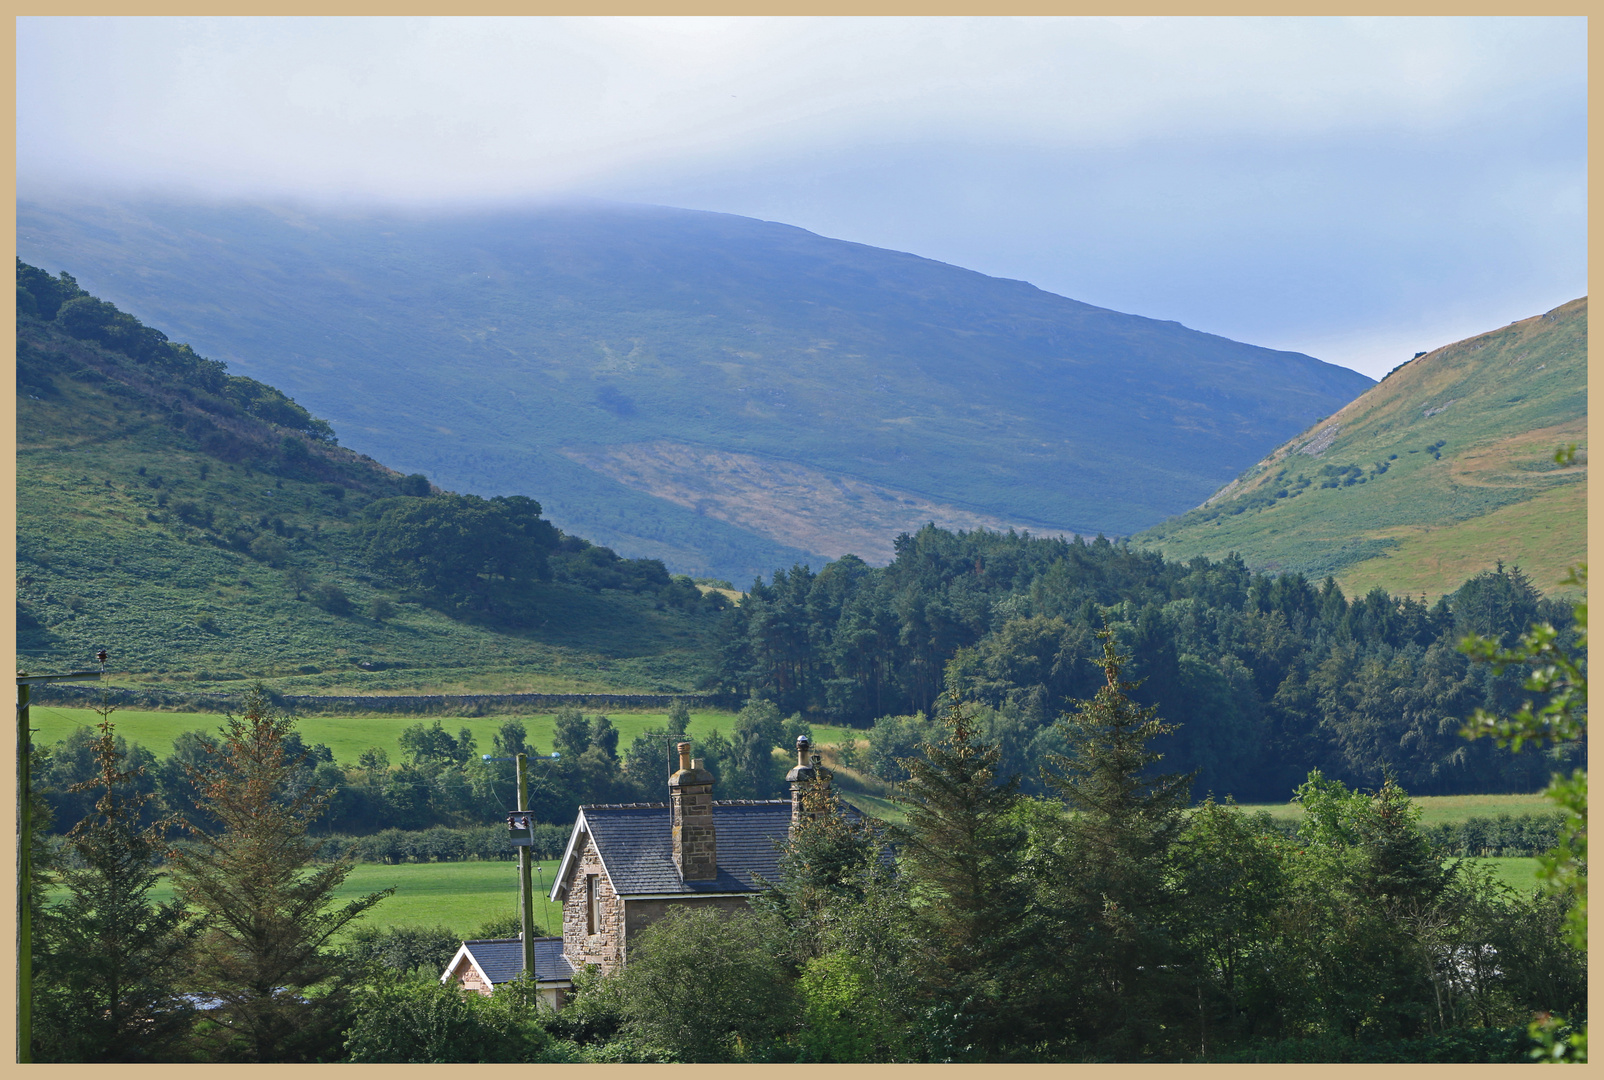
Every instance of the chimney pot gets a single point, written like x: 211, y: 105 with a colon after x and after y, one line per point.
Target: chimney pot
x: 803, y: 744
x: 690, y: 794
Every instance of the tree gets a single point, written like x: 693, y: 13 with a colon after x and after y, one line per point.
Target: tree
x: 1561, y: 676
x: 298, y: 580
x: 1119, y: 838
x: 758, y: 731
x: 111, y: 963
x: 461, y: 548
x: 267, y: 910
x: 960, y: 851
x: 1231, y: 882
x: 829, y: 860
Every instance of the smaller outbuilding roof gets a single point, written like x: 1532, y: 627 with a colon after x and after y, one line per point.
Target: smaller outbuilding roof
x: 501, y: 960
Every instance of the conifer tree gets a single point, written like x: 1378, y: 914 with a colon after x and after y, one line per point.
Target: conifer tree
x: 1119, y: 837
x: 110, y: 965
x: 268, y: 910
x: 959, y: 850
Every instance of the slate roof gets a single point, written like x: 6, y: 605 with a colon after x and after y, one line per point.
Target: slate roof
x: 502, y: 959
x: 635, y: 841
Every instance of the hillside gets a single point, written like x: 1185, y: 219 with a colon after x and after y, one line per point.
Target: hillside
x: 1441, y: 470
x: 728, y: 395
x: 206, y: 529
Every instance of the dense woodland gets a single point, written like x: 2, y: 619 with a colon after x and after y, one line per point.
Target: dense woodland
x: 1265, y: 677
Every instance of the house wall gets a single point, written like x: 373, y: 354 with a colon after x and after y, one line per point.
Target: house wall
x: 606, y: 946
x: 639, y: 914
x: 469, y: 978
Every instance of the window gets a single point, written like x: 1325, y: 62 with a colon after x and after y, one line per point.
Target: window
x: 592, y: 905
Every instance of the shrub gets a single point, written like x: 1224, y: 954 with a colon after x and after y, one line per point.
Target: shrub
x: 426, y: 1021
x: 736, y: 1006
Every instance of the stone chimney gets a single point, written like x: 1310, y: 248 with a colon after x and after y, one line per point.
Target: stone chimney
x: 690, y: 797
x: 801, y: 778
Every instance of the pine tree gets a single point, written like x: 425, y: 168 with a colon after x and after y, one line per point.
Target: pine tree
x: 111, y: 961
x: 267, y: 909
x: 960, y: 851
x: 1119, y: 842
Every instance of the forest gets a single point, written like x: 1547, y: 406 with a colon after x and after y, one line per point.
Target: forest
x: 1264, y: 677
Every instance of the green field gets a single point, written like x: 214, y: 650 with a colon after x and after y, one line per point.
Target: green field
x: 1438, y: 809
x: 461, y: 895
x: 349, y: 736
x: 1519, y: 874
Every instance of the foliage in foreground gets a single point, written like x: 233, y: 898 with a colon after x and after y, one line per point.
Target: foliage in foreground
x: 1560, y: 676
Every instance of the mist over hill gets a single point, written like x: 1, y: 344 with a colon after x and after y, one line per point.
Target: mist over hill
x: 725, y: 394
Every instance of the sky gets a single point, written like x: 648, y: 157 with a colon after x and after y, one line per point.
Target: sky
x: 1357, y: 189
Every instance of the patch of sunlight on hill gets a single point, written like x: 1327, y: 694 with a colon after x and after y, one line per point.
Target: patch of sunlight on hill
x: 1545, y: 535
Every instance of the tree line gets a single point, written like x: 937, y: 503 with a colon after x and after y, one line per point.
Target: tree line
x: 1265, y: 676
x: 440, y: 780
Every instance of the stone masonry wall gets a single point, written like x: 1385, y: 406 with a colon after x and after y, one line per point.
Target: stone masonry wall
x: 469, y: 978
x: 606, y: 947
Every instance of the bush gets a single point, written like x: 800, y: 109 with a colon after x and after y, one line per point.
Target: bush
x: 331, y: 598
x: 404, y: 950
x: 426, y: 1021
x: 736, y: 1006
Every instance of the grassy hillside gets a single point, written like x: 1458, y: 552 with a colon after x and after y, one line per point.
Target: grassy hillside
x: 728, y: 395
x: 203, y: 545
x: 1441, y: 470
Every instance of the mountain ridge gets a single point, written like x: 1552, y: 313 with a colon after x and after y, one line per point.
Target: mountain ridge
x: 510, y: 344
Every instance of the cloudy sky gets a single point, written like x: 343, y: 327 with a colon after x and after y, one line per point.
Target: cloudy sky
x: 1357, y: 189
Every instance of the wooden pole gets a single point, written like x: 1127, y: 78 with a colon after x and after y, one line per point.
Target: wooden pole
x: 526, y: 895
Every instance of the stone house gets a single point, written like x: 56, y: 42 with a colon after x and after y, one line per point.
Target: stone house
x: 483, y: 964
x: 629, y: 864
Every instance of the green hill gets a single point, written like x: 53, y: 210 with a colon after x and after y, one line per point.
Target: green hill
x: 728, y: 395
x: 206, y: 529
x: 1440, y: 471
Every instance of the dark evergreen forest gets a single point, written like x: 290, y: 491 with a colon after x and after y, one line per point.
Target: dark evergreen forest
x: 1265, y: 677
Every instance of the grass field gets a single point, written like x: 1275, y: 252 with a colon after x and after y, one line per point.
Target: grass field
x: 348, y: 737
x: 1437, y: 809
x: 461, y: 895
x: 1519, y: 874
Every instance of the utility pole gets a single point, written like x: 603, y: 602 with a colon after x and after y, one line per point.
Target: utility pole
x: 25, y: 853
x: 526, y: 896
x: 523, y: 820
